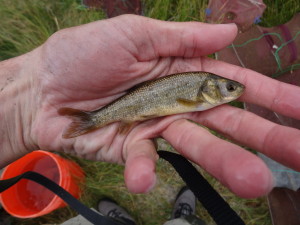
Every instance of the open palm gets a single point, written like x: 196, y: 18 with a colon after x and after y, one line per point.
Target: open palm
x: 89, y: 66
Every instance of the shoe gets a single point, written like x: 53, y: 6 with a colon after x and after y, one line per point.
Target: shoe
x: 110, y: 208
x: 185, y: 204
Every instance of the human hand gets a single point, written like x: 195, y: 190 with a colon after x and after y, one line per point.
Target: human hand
x: 89, y: 66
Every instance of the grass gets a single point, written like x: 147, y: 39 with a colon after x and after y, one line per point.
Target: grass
x: 279, y: 12
x: 25, y: 25
x: 174, y: 10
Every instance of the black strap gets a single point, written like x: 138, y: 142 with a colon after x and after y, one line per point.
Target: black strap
x: 210, y: 199
x: 216, y: 206
x: 86, y: 212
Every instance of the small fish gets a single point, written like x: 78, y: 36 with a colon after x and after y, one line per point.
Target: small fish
x: 173, y: 94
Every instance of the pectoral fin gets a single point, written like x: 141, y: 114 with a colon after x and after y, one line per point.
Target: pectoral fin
x: 189, y: 103
x: 124, y: 127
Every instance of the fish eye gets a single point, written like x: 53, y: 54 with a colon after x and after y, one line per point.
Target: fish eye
x: 230, y: 87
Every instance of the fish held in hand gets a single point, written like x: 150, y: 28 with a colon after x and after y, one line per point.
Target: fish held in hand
x: 173, y: 94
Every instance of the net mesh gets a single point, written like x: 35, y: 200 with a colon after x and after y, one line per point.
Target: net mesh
x: 274, y: 52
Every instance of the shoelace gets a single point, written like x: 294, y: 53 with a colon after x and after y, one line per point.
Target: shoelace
x: 183, y: 210
x: 217, y: 207
x: 114, y: 213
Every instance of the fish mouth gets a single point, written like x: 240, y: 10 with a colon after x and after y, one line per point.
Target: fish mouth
x: 240, y: 88
x: 243, y: 88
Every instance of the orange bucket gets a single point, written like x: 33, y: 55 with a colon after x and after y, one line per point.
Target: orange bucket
x: 28, y: 199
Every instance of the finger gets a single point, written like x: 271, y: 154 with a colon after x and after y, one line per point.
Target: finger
x: 157, y: 38
x: 190, y: 39
x: 261, y: 90
x: 241, y: 171
x: 278, y: 142
x: 139, y: 172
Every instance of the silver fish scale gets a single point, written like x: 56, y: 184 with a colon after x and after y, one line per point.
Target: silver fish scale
x: 154, y: 98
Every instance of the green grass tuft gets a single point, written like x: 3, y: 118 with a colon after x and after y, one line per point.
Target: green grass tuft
x: 279, y: 12
x: 174, y: 10
x: 24, y: 25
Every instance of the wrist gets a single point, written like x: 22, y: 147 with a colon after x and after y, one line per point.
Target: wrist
x: 17, y: 81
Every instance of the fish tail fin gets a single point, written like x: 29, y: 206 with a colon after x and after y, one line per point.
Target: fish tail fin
x: 82, y: 122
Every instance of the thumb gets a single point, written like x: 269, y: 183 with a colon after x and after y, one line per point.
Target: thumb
x: 139, y: 172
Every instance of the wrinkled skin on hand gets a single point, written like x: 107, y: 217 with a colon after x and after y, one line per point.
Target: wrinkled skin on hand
x: 89, y: 66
